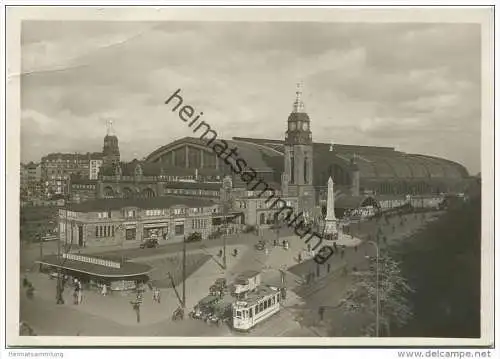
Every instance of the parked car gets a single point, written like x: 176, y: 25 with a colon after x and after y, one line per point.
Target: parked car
x: 260, y: 246
x: 219, y: 288
x: 249, y: 229
x: 194, y: 237
x: 150, y: 243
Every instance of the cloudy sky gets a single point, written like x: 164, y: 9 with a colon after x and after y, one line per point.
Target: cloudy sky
x: 412, y: 86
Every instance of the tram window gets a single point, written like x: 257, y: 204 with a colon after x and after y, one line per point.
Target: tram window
x: 261, y: 307
x: 273, y: 301
x: 265, y: 304
x: 269, y: 302
x: 238, y: 314
x: 278, y: 297
x: 251, y: 313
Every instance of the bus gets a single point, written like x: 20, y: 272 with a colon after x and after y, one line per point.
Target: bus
x: 256, y: 307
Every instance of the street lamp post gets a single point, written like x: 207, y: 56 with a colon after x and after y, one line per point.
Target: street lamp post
x: 40, y: 241
x: 377, y: 325
x: 184, y: 273
x: 224, y: 235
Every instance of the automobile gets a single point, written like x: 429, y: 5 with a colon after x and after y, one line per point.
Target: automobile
x: 325, y: 252
x: 219, y: 287
x: 204, y: 308
x: 260, y: 246
x: 194, y: 237
x: 221, y: 313
x: 150, y: 243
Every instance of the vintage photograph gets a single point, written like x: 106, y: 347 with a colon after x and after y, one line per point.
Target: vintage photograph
x: 253, y: 178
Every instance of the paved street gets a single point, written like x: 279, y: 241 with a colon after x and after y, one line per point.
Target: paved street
x: 328, y: 291
x: 113, y: 315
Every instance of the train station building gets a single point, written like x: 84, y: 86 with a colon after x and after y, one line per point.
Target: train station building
x: 295, y: 167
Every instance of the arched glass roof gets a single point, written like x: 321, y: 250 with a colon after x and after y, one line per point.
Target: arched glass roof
x: 372, y: 162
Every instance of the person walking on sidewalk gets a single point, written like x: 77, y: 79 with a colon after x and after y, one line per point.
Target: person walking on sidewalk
x: 80, y: 296
x: 137, y: 309
x: 158, y: 296
x: 75, y: 297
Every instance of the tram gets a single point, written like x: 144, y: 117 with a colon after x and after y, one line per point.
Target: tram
x: 256, y: 307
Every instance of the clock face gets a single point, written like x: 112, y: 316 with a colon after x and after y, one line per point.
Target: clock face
x: 299, y: 125
x: 305, y: 126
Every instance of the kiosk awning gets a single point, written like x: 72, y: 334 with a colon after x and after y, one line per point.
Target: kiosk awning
x: 128, y: 269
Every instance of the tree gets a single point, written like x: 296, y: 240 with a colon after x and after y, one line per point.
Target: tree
x: 443, y: 264
x: 361, y: 298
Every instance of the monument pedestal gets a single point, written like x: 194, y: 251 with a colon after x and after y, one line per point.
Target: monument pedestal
x: 331, y: 227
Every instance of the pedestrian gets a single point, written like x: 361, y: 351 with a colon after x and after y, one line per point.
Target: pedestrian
x: 355, y: 248
x: 321, y: 313
x: 137, y: 309
x: 299, y: 257
x: 158, y: 296
x: 335, y: 247
x: 104, y: 290
x: 154, y: 296
x: 80, y: 296
x: 75, y: 297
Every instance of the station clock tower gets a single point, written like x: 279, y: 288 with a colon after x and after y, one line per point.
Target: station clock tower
x: 298, y: 169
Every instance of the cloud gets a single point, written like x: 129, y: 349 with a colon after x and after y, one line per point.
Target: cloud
x: 401, y: 85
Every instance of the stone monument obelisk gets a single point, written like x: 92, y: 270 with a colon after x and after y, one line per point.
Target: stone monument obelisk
x: 330, y: 220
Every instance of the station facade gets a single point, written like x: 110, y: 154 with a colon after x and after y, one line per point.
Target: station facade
x: 296, y: 168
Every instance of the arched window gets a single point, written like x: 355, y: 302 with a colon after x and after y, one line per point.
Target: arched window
x: 305, y: 169
x: 127, y: 192
x: 148, y: 193
x: 108, y: 192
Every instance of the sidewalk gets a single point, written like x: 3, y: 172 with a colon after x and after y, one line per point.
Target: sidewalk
x: 117, y: 307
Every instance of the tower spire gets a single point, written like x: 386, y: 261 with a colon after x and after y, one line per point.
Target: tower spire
x: 298, y: 105
x: 109, y: 128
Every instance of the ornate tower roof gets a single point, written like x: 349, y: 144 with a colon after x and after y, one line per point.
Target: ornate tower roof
x: 298, y: 105
x: 110, y: 150
x: 298, y: 131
